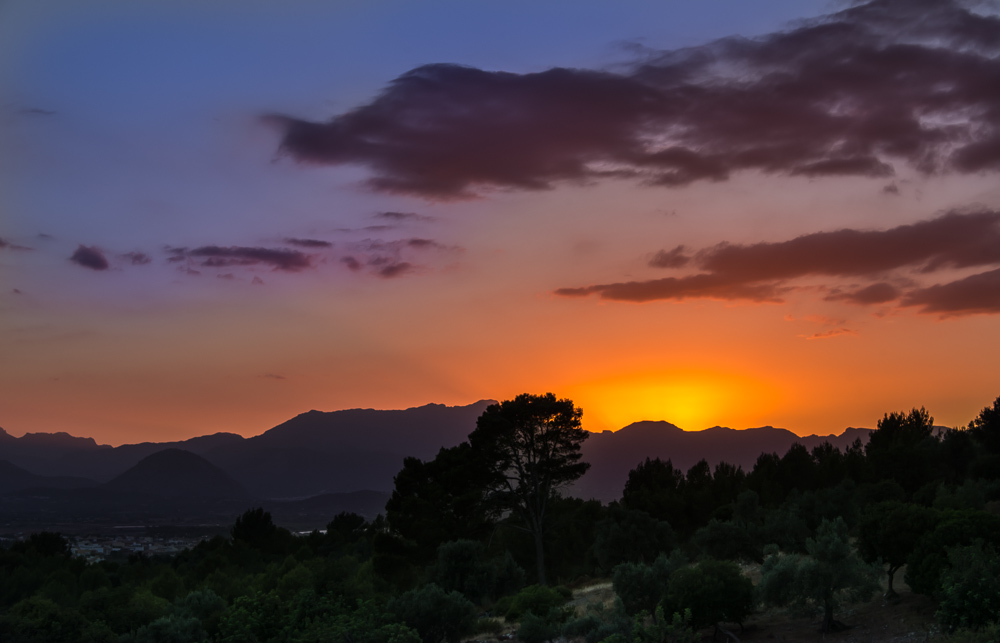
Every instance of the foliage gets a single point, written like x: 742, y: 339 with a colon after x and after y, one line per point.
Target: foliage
x: 539, y: 600
x: 929, y: 558
x: 889, y: 532
x: 256, y: 529
x: 40, y: 619
x: 434, y: 613
x: 531, y: 447
x: 970, y: 596
x: 830, y: 574
x: 171, y: 629
x: 985, y: 428
x: 641, y: 587
x: 463, y: 566
x: 536, y: 629
x: 441, y: 500
x: 630, y: 535
x: 44, y: 543
x: 728, y: 541
x: 657, y: 629
x: 713, y: 591
x: 655, y: 487
x: 903, y: 448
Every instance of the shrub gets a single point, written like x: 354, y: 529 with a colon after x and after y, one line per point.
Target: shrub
x: 536, y: 629
x: 641, y: 587
x: 434, y: 613
x: 539, y: 600
x: 970, y: 588
x: 712, y: 592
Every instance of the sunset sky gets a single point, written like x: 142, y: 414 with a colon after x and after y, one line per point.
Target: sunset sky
x: 215, y: 216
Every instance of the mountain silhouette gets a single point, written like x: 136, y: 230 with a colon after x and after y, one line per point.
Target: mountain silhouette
x: 175, y: 473
x: 342, y: 451
x: 613, y: 455
x: 347, y: 452
x: 14, y: 478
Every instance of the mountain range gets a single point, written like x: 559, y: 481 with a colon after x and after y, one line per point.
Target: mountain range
x: 317, y: 463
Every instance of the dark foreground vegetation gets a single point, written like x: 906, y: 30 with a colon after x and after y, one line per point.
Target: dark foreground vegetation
x: 479, y: 538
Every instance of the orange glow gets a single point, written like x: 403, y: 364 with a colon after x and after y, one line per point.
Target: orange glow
x: 692, y: 400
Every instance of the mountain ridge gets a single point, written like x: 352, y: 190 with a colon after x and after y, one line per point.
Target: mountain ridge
x: 353, y: 450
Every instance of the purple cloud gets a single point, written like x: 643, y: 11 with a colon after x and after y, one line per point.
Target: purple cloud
x: 395, y: 269
x: 308, y: 243
x: 853, y: 93
x: 137, y: 258
x: 90, y: 257
x: 220, y: 257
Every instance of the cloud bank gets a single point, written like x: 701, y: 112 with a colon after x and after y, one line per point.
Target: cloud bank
x: 854, y: 93
x: 220, y: 257
x: 762, y: 272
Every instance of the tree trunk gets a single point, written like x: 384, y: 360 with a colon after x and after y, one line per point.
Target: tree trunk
x: 827, y: 617
x: 540, y: 556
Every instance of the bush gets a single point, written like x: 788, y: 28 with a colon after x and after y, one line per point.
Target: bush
x: 727, y: 541
x: 463, y: 566
x: 641, y: 587
x: 539, y: 600
x: 970, y: 588
x: 434, y: 613
x: 712, y: 592
x: 537, y: 629
x: 171, y: 629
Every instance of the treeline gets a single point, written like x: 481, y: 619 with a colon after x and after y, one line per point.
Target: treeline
x: 473, y: 535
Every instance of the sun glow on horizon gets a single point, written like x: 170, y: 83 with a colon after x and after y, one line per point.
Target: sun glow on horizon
x: 691, y: 400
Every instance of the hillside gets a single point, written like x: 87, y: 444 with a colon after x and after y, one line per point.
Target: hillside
x: 176, y: 474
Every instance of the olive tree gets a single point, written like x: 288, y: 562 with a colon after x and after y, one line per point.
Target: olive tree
x: 830, y: 574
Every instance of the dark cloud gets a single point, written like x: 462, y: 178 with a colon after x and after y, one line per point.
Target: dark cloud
x: 391, y: 258
x: 695, y: 286
x: 422, y: 243
x: 952, y: 240
x: 137, y: 258
x: 308, y: 243
x: 220, y: 257
x: 975, y: 294
x: 274, y: 376
x: 850, y: 94
x: 395, y: 269
x: 761, y: 272
x: 879, y: 293
x: 673, y: 259
x: 90, y: 257
x: 403, y: 216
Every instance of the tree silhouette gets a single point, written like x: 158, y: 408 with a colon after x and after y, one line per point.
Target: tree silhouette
x: 531, y: 447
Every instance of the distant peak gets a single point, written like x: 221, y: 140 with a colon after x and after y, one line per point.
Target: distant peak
x: 652, y: 425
